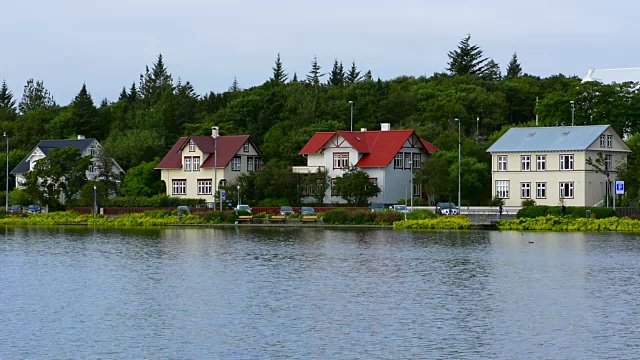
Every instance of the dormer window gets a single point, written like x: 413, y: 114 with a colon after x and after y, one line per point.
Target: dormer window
x: 609, y: 141
x: 245, y: 148
x: 192, y: 146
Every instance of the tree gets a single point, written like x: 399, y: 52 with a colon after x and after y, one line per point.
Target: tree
x: 435, y: 178
x: 602, y: 165
x: 492, y: 71
x: 108, y: 174
x: 35, y: 96
x: 143, y: 180
x: 279, y: 76
x: 336, y: 77
x: 355, y: 187
x: 467, y: 59
x: 156, y: 83
x: 514, y: 69
x: 353, y: 76
x: 314, y: 75
x: 316, y: 185
x: 235, y: 87
x: 85, y: 117
x: 133, y: 147
x: 7, y: 102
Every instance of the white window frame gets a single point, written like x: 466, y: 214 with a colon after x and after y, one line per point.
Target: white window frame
x: 417, y: 190
x: 525, y: 162
x: 179, y: 187
x: 502, y: 162
x: 192, y: 146
x: 245, y: 147
x: 398, y: 160
x: 249, y: 164
x: 525, y: 190
x: 407, y: 160
x: 92, y: 168
x: 566, y: 190
x: 340, y: 160
x: 603, y: 138
x: 541, y: 190
x: 196, y: 163
x: 609, y: 141
x: 187, y: 163
x: 502, y: 189
x: 608, y: 162
x: 204, y: 186
x: 236, y: 163
x: 569, y: 160
x: 416, y: 160
x: 541, y: 162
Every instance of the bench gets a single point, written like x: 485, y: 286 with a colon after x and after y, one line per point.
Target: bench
x: 246, y: 218
x: 309, y: 218
x: 277, y: 218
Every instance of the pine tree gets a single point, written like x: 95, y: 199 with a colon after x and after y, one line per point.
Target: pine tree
x: 353, y: 76
x: 514, y: 69
x: 467, y: 59
x: 235, y: 87
x: 133, y: 93
x: 336, y: 77
x: 123, y: 94
x: 85, y: 115
x: 7, y: 102
x: 35, y: 96
x: 314, y: 75
x: 295, y: 78
x: 492, y: 71
x: 367, y: 76
x: 279, y: 76
x: 156, y: 83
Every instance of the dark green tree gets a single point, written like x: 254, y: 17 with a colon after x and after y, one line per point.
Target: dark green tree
x: 316, y: 184
x: 314, y: 75
x: 435, y: 178
x: 279, y: 76
x: 336, y: 77
x: 353, y: 76
x: 492, y: 71
x: 235, y: 87
x: 467, y: 59
x: 355, y: 187
x: 155, y: 84
x: 143, y: 180
x: 7, y: 102
x: 295, y: 78
x: 514, y: 69
x: 85, y: 119
x: 35, y: 96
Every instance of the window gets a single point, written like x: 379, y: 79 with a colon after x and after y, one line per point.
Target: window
x: 397, y: 161
x: 417, y: 190
x: 222, y: 183
x: 192, y: 146
x: 257, y: 163
x: 602, y: 139
x: 374, y: 181
x: 541, y: 190
x: 92, y: 151
x: 187, y: 164
x: 607, y: 162
x: 526, y: 162
x: 179, y: 187
x: 609, y: 141
x: 92, y: 168
x: 340, y: 160
x: 196, y: 163
x: 417, y: 160
x: 204, y: 187
x: 245, y: 148
x: 407, y: 160
x: 566, y: 190
x: 502, y: 162
x: 525, y: 190
x: 566, y: 162
x: 541, y: 162
x: 502, y: 189
x: 249, y: 164
x: 236, y: 164
x: 333, y: 187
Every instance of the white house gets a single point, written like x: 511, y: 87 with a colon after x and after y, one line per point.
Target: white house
x: 196, y: 166
x: 388, y: 156
x: 88, y: 147
x: 549, y: 164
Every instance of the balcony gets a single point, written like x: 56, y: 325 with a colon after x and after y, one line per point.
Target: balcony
x: 307, y: 169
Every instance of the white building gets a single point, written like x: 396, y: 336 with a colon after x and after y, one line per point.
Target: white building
x: 388, y: 156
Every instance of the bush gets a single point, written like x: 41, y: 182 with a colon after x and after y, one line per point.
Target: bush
x: 353, y: 217
x: 421, y: 215
x: 220, y: 217
x: 440, y: 223
x: 558, y: 223
x: 574, y: 212
x: 528, y: 202
x: 273, y: 202
x: 157, y: 214
x: 154, y: 201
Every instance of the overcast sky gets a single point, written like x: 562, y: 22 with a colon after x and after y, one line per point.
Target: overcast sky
x: 107, y: 44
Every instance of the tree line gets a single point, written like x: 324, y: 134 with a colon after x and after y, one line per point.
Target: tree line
x: 284, y: 112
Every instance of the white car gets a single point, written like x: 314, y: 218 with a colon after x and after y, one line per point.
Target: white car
x: 399, y: 208
x: 243, y: 207
x: 447, y: 209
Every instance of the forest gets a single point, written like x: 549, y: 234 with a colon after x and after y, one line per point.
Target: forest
x: 281, y: 114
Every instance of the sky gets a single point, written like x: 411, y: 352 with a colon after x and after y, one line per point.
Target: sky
x: 107, y: 44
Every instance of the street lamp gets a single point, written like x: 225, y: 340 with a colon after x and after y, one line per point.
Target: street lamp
x: 459, y: 161
x: 573, y: 111
x: 238, y: 195
x: 95, y: 201
x: 6, y: 194
x: 351, y: 103
x: 478, y: 129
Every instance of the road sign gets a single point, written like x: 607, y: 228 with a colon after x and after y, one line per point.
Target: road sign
x: 223, y: 194
x: 619, y: 187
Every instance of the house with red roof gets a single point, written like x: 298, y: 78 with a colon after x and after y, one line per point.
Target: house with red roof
x: 196, y: 166
x: 388, y: 156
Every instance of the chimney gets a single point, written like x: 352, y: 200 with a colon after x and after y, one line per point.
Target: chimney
x: 385, y: 126
x: 363, y: 129
x: 214, y: 131
x: 80, y: 137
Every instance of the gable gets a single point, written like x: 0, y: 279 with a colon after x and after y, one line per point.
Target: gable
x: 44, y: 146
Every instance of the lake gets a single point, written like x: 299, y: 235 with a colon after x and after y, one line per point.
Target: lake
x: 220, y: 293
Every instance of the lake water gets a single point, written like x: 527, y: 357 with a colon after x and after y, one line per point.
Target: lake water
x: 211, y: 293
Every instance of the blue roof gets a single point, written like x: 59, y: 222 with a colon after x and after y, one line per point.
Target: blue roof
x: 45, y: 145
x: 558, y: 138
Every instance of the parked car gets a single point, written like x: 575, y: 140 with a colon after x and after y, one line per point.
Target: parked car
x: 376, y: 207
x: 243, y: 208
x: 34, y: 209
x: 447, y: 208
x: 286, y: 210
x: 307, y: 210
x: 399, y: 208
x: 16, y: 209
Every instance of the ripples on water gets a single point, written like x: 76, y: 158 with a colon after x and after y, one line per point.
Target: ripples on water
x: 312, y: 293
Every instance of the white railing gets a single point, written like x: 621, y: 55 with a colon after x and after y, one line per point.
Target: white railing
x: 307, y: 169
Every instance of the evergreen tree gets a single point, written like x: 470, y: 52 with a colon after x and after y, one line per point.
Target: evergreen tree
x: 156, y: 83
x: 279, y: 76
x: 123, y: 94
x: 336, y: 77
x: 353, y: 76
x: 295, y: 78
x: 7, y: 102
x: 492, y: 71
x: 467, y: 59
x: 35, y: 96
x: 235, y: 87
x: 133, y: 93
x: 314, y: 75
x: 514, y: 69
x: 85, y: 116
x: 104, y: 102
x: 367, y: 76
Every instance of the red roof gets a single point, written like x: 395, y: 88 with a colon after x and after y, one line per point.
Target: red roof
x: 227, y: 147
x: 378, y: 147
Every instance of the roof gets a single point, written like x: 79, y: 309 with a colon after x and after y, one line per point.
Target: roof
x: 46, y: 145
x: 226, y: 146
x: 610, y: 76
x: 559, y: 138
x: 378, y: 147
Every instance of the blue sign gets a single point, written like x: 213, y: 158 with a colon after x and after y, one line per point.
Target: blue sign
x: 619, y: 187
x: 223, y: 194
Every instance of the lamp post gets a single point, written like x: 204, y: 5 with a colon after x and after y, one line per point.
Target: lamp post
x: 459, y: 161
x: 215, y: 173
x: 351, y: 103
x: 573, y: 111
x: 239, y: 195
x: 95, y: 200
x: 478, y: 129
x: 6, y: 194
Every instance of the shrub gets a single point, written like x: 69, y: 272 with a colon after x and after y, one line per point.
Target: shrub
x: 571, y: 212
x: 421, y: 215
x: 156, y: 214
x: 273, y: 202
x: 154, y: 201
x: 440, y: 223
x: 528, y: 202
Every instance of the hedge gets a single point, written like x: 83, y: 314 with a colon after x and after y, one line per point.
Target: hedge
x: 558, y: 223
x: 571, y: 212
x: 459, y: 222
